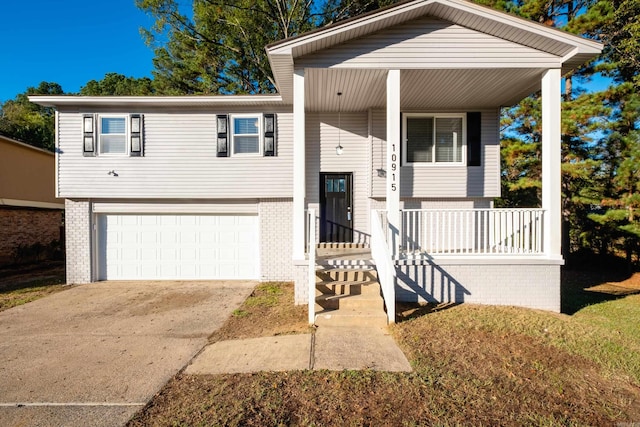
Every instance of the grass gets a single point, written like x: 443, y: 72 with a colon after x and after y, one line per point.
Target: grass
x: 20, y: 289
x: 473, y: 365
x: 268, y: 311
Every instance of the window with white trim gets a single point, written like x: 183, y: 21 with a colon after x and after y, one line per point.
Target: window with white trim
x: 433, y: 138
x: 112, y: 135
x: 246, y: 134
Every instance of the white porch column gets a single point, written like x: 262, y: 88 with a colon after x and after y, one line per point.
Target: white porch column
x: 393, y: 157
x: 551, y: 161
x: 299, y: 160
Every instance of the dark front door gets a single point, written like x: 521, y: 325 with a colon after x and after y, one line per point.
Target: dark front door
x: 336, y: 214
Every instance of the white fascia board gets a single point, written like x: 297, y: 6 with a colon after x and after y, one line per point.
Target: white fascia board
x: 173, y: 101
x: 31, y: 204
x: 583, y: 45
x: 287, y: 46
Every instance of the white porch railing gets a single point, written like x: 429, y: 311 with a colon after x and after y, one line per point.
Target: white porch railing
x: 384, y: 261
x: 472, y: 231
x: 311, y: 254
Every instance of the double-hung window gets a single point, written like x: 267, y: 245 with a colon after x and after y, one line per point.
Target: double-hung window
x: 246, y: 136
x: 112, y: 135
x: 433, y: 138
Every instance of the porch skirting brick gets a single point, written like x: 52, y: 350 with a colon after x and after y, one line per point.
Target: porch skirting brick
x: 78, y: 241
x: 525, y: 285
x: 301, y: 280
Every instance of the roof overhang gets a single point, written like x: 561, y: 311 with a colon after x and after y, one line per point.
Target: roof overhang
x: 193, y: 101
x: 573, y: 50
x: 4, y: 138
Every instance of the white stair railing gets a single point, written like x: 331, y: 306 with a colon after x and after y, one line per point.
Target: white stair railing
x: 311, y: 254
x: 384, y: 262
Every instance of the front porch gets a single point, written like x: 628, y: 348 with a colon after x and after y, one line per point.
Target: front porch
x: 415, y: 91
x: 488, y: 256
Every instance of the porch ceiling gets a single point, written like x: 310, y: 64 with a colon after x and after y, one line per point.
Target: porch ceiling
x: 460, y: 89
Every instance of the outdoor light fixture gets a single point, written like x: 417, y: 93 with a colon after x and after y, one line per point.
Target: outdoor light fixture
x: 339, y: 148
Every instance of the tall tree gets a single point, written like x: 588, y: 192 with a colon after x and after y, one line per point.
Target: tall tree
x: 114, y: 84
x: 581, y: 177
x: 218, y: 46
x: 29, y: 122
x: 619, y: 226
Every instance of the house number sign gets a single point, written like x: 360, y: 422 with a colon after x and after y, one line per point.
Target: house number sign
x: 394, y: 167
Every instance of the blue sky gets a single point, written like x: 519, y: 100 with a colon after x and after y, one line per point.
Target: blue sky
x: 70, y: 42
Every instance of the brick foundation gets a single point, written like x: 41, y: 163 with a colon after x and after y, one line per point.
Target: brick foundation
x: 524, y: 285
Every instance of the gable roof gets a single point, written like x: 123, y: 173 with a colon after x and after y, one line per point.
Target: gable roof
x: 572, y: 49
x: 8, y: 140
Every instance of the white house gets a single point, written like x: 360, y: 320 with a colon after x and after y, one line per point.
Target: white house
x: 385, y: 125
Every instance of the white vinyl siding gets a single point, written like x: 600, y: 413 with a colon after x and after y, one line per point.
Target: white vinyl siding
x: 179, y: 161
x: 177, y: 247
x: 429, y: 43
x: 452, y: 180
x: 322, y: 139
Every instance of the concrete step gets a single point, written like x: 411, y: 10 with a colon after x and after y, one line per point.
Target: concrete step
x: 352, y: 317
x: 348, y: 288
x: 345, y: 263
x: 341, y: 245
x: 339, y: 302
x: 347, y: 274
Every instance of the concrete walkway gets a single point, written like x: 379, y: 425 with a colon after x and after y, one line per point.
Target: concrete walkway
x: 331, y: 348
x: 95, y: 354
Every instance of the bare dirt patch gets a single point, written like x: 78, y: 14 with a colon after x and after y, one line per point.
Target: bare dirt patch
x: 623, y: 287
x: 269, y: 311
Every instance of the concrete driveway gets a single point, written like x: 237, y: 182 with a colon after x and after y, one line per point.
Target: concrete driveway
x: 95, y: 354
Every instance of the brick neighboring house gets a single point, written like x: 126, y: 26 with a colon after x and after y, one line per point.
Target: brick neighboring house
x: 30, y: 214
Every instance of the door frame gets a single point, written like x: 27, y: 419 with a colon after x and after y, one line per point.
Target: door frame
x: 322, y: 204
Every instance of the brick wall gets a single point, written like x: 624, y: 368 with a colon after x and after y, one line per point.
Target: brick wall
x: 276, y: 231
x: 26, y: 226
x: 78, y: 241
x: 524, y: 285
x: 301, y: 280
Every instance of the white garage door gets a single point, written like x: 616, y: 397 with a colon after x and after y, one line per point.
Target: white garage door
x: 144, y: 247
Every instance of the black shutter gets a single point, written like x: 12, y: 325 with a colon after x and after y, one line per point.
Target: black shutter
x: 222, y: 126
x: 137, y: 144
x: 269, y: 134
x: 474, y: 139
x: 89, y: 135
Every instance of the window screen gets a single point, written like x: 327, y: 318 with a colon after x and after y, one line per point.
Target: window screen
x: 113, y: 135
x: 246, y: 137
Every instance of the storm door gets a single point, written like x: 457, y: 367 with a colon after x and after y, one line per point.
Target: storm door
x: 336, y: 213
